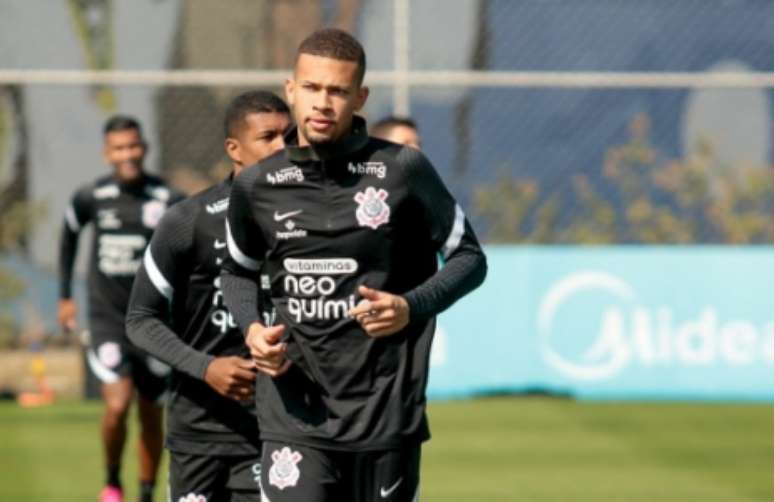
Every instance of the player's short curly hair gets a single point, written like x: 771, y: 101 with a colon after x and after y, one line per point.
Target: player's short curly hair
x: 121, y: 123
x: 386, y: 124
x: 335, y: 44
x: 247, y: 103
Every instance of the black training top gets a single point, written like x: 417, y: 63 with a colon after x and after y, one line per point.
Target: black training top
x: 322, y: 222
x: 177, y: 314
x: 124, y: 218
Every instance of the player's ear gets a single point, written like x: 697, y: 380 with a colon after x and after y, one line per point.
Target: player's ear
x: 290, y: 88
x: 232, y: 150
x: 362, y: 97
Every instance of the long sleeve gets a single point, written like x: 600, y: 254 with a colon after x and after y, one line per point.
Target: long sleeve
x: 246, y: 248
x: 77, y: 215
x: 464, y: 261
x: 164, y: 268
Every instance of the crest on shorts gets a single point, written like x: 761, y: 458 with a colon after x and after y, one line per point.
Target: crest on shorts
x: 152, y: 211
x: 109, y: 354
x: 284, y: 468
x: 192, y: 497
x: 372, y: 210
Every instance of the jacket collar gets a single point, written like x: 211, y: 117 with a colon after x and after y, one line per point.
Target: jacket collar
x: 134, y: 187
x: 349, y: 144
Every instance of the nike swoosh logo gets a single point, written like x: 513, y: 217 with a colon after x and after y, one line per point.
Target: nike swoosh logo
x: 386, y: 493
x: 219, y: 244
x: 285, y: 216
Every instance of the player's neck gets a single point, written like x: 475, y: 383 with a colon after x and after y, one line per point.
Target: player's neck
x: 299, y: 149
x: 302, y: 141
x: 132, y: 182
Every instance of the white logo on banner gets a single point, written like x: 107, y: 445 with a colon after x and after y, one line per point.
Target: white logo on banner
x: 629, y: 333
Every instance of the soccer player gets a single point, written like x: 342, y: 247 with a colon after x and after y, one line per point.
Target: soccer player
x: 124, y: 207
x: 401, y: 130
x: 177, y: 314
x: 347, y: 229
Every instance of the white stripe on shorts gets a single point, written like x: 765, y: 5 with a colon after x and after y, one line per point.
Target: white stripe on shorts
x: 102, y: 372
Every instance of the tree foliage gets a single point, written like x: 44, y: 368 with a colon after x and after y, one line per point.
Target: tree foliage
x: 640, y: 197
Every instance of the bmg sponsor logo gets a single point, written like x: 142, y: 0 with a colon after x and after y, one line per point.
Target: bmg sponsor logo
x: 291, y: 174
x: 377, y: 169
x: 627, y: 334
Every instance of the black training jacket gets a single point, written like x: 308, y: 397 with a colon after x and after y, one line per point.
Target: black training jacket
x: 320, y: 222
x: 177, y: 315
x: 124, y: 217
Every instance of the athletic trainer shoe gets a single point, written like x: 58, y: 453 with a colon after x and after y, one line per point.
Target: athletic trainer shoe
x: 111, y: 494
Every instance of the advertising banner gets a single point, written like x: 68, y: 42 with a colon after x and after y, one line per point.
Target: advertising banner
x: 614, y: 323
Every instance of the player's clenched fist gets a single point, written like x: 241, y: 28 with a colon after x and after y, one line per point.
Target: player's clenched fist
x: 380, y: 313
x: 266, y: 349
x: 232, y: 376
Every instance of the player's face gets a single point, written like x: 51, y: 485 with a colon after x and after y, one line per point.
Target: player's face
x: 404, y: 135
x: 125, y: 151
x: 259, y: 137
x: 324, y: 94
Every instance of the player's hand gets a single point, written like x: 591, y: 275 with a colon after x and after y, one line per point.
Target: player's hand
x: 380, y: 313
x: 232, y: 377
x: 67, y: 311
x: 266, y: 349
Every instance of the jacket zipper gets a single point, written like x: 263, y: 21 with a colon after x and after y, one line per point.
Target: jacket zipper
x: 326, y: 192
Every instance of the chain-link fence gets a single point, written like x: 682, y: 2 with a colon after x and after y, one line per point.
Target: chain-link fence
x: 559, y: 121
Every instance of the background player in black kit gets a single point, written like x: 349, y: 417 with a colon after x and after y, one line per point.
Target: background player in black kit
x: 348, y: 229
x: 177, y: 314
x: 124, y: 207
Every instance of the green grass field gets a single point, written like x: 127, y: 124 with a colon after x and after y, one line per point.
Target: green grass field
x: 530, y: 449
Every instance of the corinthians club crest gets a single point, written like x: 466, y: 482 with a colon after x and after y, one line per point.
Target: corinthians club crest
x: 193, y: 497
x: 372, y: 211
x: 152, y: 211
x: 284, y: 468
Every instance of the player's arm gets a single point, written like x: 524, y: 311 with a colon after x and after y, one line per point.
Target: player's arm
x: 465, y: 265
x: 382, y: 313
x: 240, y: 275
x: 166, y: 265
x: 77, y: 215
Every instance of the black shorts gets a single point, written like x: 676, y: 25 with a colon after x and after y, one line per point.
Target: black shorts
x: 292, y: 472
x: 206, y: 478
x: 111, y: 356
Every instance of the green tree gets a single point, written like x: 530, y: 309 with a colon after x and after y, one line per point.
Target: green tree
x: 647, y: 200
x: 17, y: 215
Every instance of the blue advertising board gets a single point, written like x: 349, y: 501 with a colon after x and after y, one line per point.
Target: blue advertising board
x: 614, y: 323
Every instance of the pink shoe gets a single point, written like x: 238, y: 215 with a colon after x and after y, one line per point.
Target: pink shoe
x: 111, y: 494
